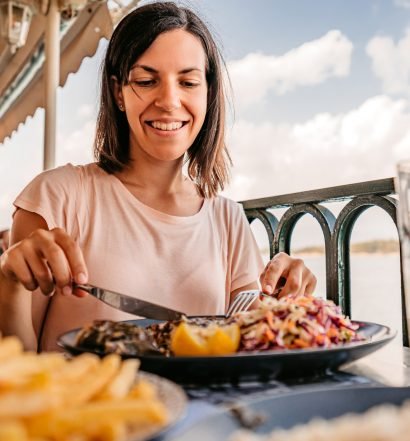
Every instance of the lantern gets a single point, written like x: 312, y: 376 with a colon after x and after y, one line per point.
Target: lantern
x: 15, y: 19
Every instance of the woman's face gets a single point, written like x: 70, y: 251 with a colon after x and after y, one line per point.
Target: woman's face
x: 166, y: 98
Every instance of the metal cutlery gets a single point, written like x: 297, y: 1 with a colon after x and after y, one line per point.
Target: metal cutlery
x: 130, y: 304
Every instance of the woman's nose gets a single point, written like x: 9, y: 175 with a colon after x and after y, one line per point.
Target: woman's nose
x: 168, y: 97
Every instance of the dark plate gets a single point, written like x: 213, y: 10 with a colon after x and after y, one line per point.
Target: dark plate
x: 289, y: 410
x: 250, y: 365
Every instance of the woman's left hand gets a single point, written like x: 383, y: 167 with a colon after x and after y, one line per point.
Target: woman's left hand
x: 289, y: 274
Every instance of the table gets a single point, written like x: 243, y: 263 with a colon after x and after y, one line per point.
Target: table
x: 389, y: 366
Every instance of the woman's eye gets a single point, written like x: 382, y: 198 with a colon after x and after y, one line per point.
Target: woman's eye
x: 190, y: 84
x: 143, y: 83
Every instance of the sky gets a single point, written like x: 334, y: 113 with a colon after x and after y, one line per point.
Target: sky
x: 321, y: 92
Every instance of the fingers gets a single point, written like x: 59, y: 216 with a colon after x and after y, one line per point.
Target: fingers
x: 41, y: 274
x: 272, y: 273
x: 46, y: 259
x: 19, y: 271
x: 68, y: 263
x: 74, y: 256
x: 299, y: 280
x: 311, y: 284
x: 294, y: 279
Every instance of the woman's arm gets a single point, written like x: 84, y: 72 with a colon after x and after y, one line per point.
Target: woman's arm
x: 15, y: 300
x: 37, y: 257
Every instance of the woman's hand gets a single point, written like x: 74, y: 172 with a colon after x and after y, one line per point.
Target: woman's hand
x: 46, y: 259
x: 287, y: 275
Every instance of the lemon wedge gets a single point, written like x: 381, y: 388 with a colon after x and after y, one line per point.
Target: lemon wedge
x: 186, y: 340
x: 225, y: 340
x: 194, y: 340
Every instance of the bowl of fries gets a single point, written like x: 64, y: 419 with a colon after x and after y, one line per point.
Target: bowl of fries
x: 50, y: 397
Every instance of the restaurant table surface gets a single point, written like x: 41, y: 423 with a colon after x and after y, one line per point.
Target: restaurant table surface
x: 389, y: 366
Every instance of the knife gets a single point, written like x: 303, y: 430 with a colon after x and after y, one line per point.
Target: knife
x: 130, y: 304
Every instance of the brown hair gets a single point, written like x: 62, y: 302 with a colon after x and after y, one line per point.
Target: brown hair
x: 208, y: 159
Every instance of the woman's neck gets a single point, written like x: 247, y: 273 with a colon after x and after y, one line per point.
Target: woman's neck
x: 161, y: 179
x: 162, y: 187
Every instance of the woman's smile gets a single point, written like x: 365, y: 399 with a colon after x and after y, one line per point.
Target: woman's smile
x: 166, y: 128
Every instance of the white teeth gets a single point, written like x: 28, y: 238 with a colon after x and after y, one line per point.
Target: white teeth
x: 166, y: 126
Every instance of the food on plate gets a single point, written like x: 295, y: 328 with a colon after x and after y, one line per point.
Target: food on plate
x: 190, y: 339
x: 118, y: 337
x: 48, y: 397
x: 292, y: 322
x: 385, y: 423
x: 295, y: 322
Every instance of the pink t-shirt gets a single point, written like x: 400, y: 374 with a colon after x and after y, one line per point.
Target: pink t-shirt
x: 188, y: 263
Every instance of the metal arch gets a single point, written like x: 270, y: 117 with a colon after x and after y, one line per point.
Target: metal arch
x: 389, y: 205
x: 345, y: 222
x: 288, y: 222
x: 269, y: 221
x: 326, y: 220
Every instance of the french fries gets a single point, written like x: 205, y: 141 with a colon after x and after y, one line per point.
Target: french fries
x: 10, y: 347
x: 45, y: 397
x: 121, y: 384
x: 21, y: 369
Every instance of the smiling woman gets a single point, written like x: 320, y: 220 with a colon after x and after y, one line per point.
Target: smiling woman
x: 132, y: 222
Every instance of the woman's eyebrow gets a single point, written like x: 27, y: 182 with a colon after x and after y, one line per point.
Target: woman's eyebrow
x: 190, y: 69
x: 152, y: 70
x: 144, y: 67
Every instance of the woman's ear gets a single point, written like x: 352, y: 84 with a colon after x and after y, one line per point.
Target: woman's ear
x: 117, y: 90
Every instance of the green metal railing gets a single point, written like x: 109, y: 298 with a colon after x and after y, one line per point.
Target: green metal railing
x: 336, y: 230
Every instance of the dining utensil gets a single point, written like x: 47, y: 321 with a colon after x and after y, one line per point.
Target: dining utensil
x: 130, y: 304
x: 403, y: 219
x: 244, y: 300
x: 251, y: 365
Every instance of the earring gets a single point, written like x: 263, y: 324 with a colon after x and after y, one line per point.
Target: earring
x: 121, y: 107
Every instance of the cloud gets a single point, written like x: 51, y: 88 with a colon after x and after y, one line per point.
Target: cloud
x: 309, y: 64
x: 326, y: 150
x: 85, y: 111
x: 391, y: 63
x: 402, y: 3
x: 21, y: 158
x: 24, y: 156
x: 77, y: 147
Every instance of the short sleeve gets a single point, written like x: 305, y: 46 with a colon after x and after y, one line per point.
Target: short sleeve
x: 245, y: 260
x: 53, y: 195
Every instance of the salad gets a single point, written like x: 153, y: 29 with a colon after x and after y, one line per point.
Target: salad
x: 294, y: 322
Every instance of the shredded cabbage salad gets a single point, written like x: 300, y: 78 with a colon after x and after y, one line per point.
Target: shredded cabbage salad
x: 294, y: 322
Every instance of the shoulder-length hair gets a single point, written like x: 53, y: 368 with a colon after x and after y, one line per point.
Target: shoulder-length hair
x: 208, y: 158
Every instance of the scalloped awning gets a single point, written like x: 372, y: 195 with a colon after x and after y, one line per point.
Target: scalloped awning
x: 80, y: 41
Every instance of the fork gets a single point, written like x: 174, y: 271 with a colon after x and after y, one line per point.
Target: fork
x: 244, y: 299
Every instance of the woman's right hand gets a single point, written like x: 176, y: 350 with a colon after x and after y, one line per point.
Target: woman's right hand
x: 46, y: 259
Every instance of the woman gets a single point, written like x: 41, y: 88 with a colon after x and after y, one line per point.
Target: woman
x: 133, y: 222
